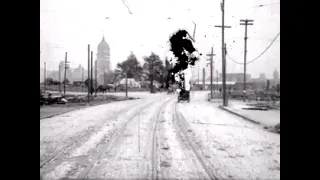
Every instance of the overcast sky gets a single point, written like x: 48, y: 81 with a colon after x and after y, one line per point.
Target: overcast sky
x: 70, y: 25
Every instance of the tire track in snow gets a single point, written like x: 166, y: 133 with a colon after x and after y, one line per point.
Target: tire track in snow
x: 77, y: 140
x: 74, y: 144
x: 130, y: 156
x: 181, y: 123
x: 114, y: 138
x: 155, y: 144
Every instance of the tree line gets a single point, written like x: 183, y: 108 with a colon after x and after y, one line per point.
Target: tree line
x: 153, y: 69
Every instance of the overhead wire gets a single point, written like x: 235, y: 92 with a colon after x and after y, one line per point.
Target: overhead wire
x: 259, y: 54
x: 263, y: 5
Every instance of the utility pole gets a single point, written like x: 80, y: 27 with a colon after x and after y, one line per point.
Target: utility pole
x: 96, y: 74
x: 126, y: 84
x: 199, y: 74
x: 104, y: 79
x: 65, y: 72
x: 91, y: 87
x: 59, y: 76
x: 217, y: 80
x: 245, y: 22
x: 45, y: 76
x: 152, y: 73
x: 223, y: 54
x: 204, y: 78
x: 224, y: 85
x: 211, y: 71
x: 82, y: 78
x: 88, y: 73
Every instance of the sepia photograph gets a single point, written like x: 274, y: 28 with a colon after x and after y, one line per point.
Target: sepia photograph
x: 159, y: 89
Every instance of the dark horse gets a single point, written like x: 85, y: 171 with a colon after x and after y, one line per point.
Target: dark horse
x: 105, y: 88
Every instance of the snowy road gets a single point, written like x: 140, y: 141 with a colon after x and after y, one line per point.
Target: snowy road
x: 156, y: 138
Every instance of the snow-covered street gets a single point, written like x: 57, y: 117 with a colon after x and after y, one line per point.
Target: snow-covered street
x: 155, y: 137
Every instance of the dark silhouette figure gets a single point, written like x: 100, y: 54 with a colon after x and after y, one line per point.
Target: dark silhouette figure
x: 179, y: 46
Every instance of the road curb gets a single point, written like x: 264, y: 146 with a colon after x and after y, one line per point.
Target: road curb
x: 56, y: 114
x: 86, y: 106
x: 239, y: 115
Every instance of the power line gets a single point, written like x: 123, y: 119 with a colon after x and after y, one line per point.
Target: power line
x: 234, y: 60
x: 125, y: 3
x: 263, y: 5
x: 260, y: 53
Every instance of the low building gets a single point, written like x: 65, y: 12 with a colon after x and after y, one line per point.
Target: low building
x: 147, y: 83
x: 237, y: 77
x: 215, y: 84
x: 132, y: 83
x: 78, y: 83
x: 258, y: 84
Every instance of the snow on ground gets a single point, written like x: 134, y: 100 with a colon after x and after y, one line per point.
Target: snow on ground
x: 176, y: 159
x: 58, y: 132
x: 130, y: 156
x: 237, y: 149
x: 269, y: 118
x: 140, y: 94
x: 103, y: 120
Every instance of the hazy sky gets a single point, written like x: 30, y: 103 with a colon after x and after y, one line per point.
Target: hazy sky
x: 70, y: 25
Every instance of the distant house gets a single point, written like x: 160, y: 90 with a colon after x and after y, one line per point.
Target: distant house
x: 147, y: 83
x: 131, y: 82
x: 215, y: 84
x: 237, y: 77
x: 78, y: 83
x: 258, y: 83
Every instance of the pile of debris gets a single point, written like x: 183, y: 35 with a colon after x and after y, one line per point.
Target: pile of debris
x: 263, y: 106
x: 277, y: 128
x: 48, y: 99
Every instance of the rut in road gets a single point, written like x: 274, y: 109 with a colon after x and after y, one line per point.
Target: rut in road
x: 59, y: 153
x: 60, y: 156
x: 122, y: 159
x: 155, y: 144
x: 181, y: 124
x: 174, y: 156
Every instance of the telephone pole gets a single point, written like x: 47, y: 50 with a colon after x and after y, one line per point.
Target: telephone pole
x: 82, y: 78
x: 65, y: 72
x: 88, y: 73
x: 224, y: 85
x: 126, y: 84
x: 96, y: 74
x: 199, y: 74
x: 223, y: 54
x: 217, y: 80
x: 91, y: 87
x: 245, y: 22
x: 211, y: 70
x: 45, y: 76
x: 152, y: 73
x: 204, y: 78
x: 60, y: 77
